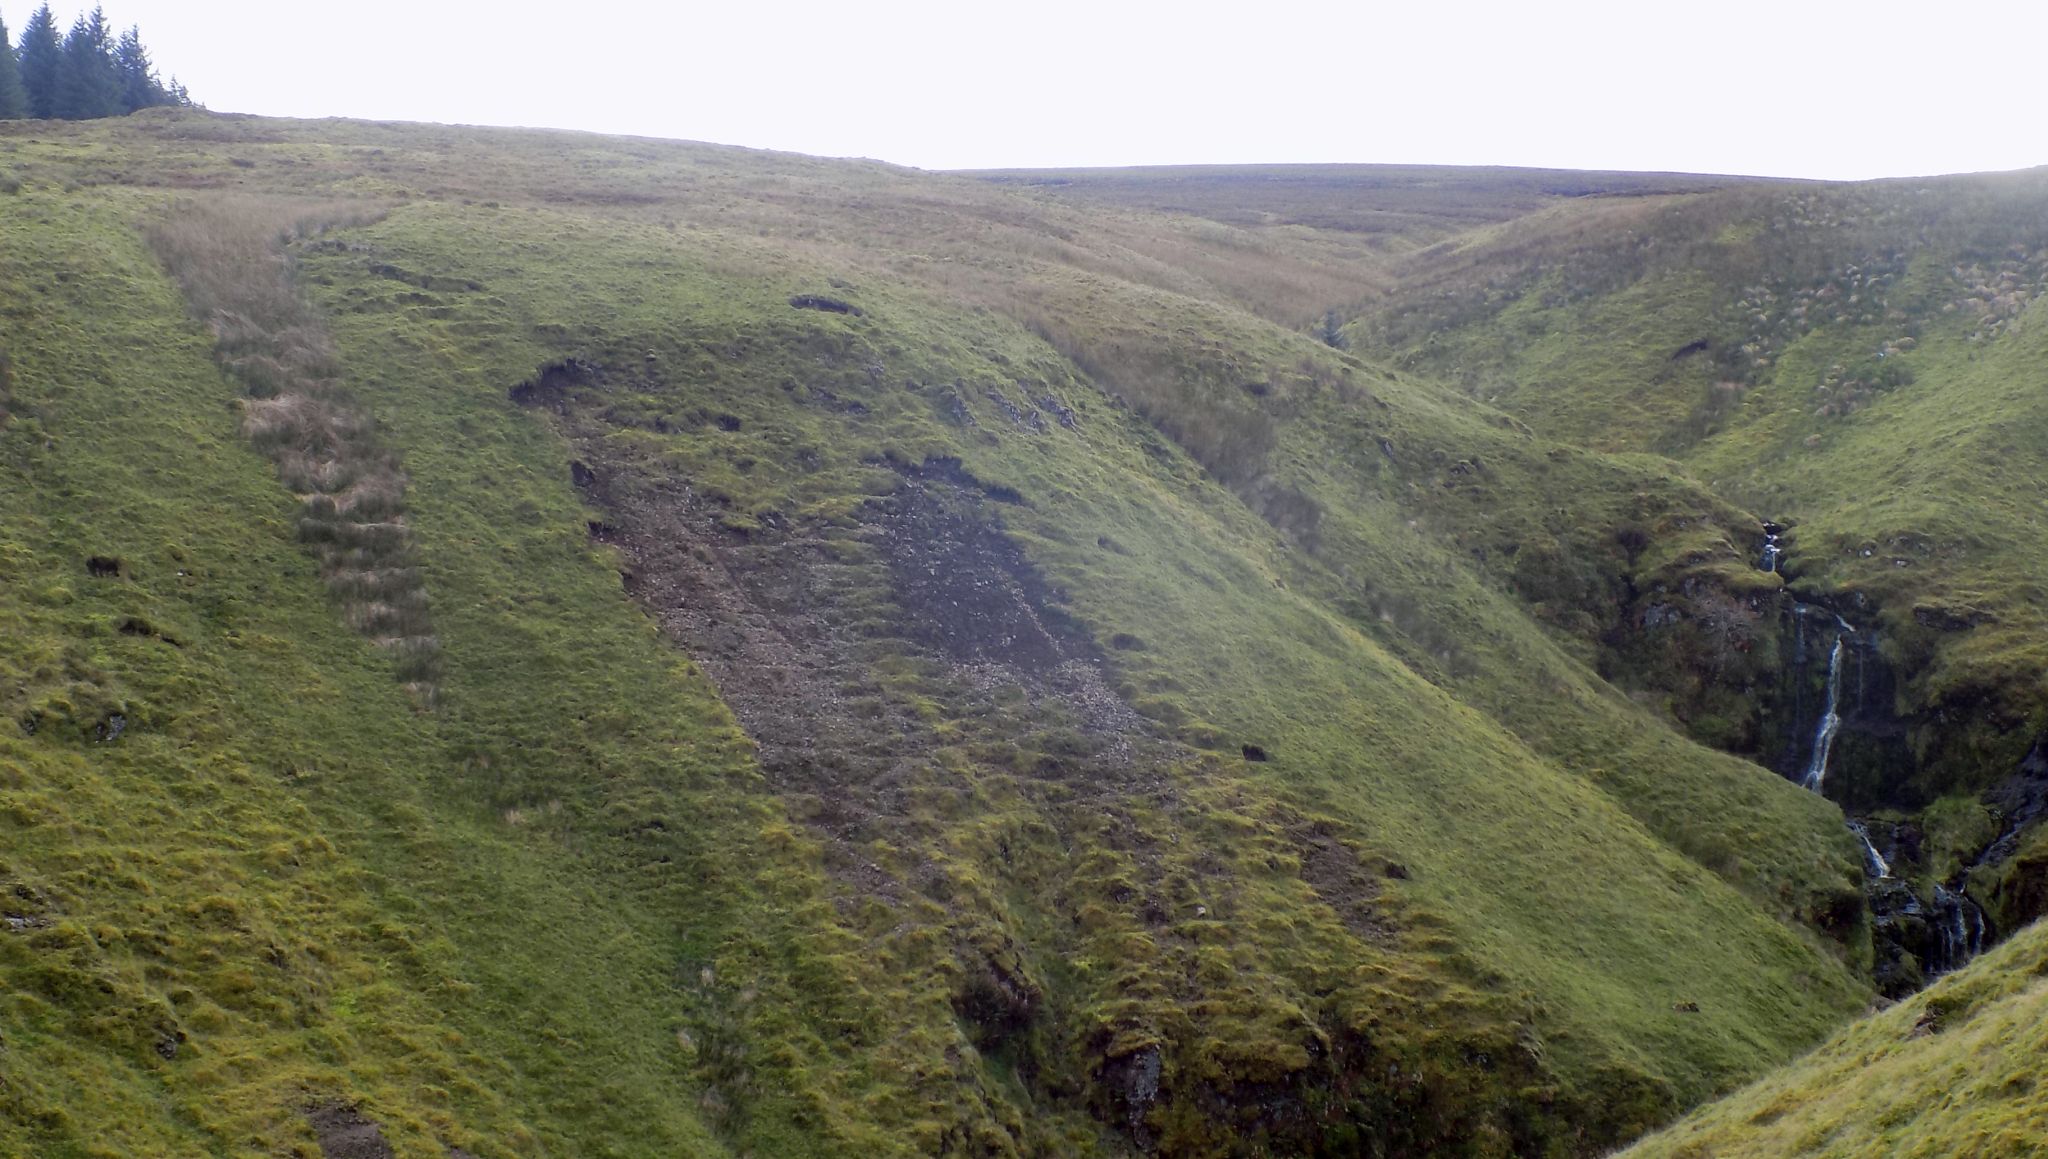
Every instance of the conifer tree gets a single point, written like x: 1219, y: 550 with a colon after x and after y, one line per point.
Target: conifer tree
x: 40, y: 55
x: 139, y: 87
x: 13, y: 97
x: 88, y: 73
x: 88, y: 79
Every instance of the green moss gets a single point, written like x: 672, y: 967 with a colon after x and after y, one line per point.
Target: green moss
x: 1956, y: 830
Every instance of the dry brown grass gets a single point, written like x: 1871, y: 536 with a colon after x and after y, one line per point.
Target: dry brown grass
x: 229, y: 256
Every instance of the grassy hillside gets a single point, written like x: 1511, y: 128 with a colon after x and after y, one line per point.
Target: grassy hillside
x: 248, y: 880
x: 1212, y: 628
x: 1391, y: 209
x: 1850, y: 360
x: 1955, y: 1070
x: 920, y: 666
x: 1861, y: 363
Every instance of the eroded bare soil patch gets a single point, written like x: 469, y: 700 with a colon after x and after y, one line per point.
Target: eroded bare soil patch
x: 911, y: 678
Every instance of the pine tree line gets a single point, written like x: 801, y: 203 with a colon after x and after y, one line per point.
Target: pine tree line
x: 89, y: 72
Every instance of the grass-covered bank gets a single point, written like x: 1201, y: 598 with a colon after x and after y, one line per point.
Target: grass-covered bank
x: 251, y: 880
x: 922, y: 667
x: 1954, y: 1070
x: 784, y: 417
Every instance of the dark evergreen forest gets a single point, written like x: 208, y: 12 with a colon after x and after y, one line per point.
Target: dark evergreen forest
x: 90, y: 71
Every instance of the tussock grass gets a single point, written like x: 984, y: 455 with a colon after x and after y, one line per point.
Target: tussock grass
x: 229, y: 256
x: 275, y: 887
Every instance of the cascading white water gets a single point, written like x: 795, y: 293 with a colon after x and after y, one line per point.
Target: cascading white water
x: 1874, y: 863
x: 1830, y: 720
x: 1957, y: 924
x: 1960, y: 926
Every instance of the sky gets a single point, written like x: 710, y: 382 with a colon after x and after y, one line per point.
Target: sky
x: 1818, y: 88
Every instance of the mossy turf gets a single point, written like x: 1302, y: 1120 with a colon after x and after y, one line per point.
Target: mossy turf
x: 562, y: 911
x: 1953, y: 1070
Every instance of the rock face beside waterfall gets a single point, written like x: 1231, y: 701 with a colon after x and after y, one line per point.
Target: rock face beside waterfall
x: 1871, y: 762
x: 1923, y: 923
x: 1919, y: 930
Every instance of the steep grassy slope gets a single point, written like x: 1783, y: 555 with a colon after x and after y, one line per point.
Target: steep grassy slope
x: 1226, y: 653
x: 923, y: 669
x: 1953, y: 1071
x: 1862, y: 363
x: 1794, y: 348
x: 247, y: 880
x: 1397, y: 488
x: 215, y: 794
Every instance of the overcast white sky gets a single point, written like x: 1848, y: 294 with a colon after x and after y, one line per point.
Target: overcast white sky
x: 1810, y: 89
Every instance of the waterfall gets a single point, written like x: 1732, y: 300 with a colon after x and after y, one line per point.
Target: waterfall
x: 1830, y: 720
x: 1874, y: 863
x: 1955, y: 928
x: 1959, y: 925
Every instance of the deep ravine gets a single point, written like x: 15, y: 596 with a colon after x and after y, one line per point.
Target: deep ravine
x: 1942, y: 933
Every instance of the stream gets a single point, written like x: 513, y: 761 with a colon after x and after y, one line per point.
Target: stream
x: 1955, y: 926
